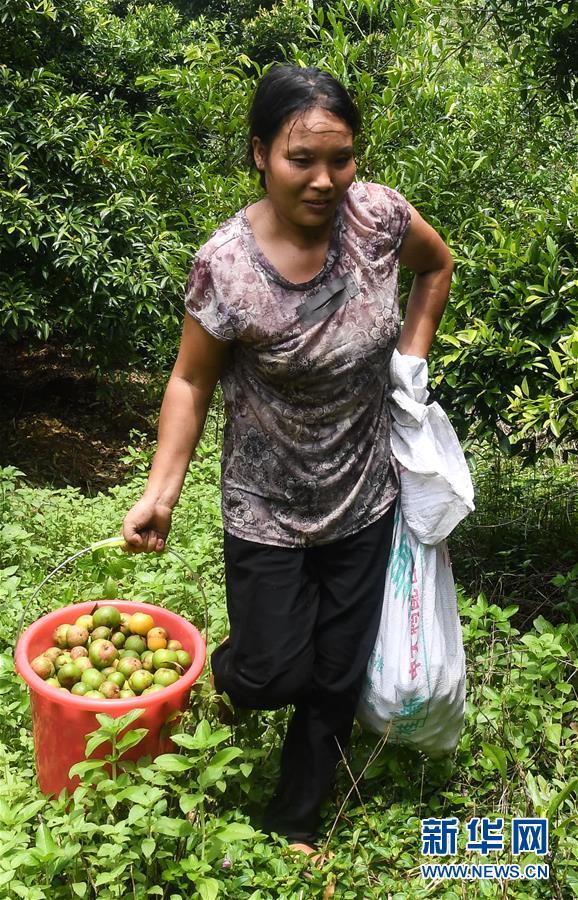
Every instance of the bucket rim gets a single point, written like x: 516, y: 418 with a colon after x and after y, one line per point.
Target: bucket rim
x: 113, y: 707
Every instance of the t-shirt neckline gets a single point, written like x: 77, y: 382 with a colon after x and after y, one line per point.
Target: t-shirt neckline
x: 332, y: 253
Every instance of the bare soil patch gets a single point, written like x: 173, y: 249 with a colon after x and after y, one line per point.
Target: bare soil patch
x: 61, y: 426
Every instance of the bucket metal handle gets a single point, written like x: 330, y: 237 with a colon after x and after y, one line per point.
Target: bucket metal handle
x: 117, y: 541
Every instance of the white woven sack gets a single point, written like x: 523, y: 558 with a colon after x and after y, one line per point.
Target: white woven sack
x: 416, y: 677
x: 435, y: 483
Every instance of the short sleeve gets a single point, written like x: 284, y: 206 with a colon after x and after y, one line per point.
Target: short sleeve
x: 205, y: 303
x: 392, y: 213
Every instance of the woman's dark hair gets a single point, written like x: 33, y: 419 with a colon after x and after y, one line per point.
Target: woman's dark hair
x: 286, y: 90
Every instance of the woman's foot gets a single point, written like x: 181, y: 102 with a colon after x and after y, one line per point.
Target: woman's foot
x: 304, y: 848
x: 317, y: 859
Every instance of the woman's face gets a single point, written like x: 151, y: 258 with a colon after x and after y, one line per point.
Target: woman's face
x: 308, y: 167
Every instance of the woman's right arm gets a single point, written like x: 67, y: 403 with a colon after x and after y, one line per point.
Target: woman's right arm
x: 199, y: 363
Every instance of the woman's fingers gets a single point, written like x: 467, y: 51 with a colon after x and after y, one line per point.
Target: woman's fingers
x: 152, y: 541
x: 146, y: 526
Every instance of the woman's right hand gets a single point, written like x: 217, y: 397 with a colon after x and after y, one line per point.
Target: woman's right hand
x: 146, y: 526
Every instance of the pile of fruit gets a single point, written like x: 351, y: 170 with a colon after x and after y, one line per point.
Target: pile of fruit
x: 111, y: 655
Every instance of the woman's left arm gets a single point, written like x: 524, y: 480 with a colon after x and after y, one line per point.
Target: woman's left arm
x: 425, y: 253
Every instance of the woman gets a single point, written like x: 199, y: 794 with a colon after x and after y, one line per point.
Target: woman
x: 292, y: 304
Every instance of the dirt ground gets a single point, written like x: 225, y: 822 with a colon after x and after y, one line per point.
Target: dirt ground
x: 61, y: 427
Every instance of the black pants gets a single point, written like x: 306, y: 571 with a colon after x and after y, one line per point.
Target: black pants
x: 303, y: 624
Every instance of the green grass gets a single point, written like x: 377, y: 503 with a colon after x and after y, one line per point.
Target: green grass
x: 162, y: 831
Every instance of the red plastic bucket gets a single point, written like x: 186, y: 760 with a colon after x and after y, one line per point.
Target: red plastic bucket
x: 61, y: 720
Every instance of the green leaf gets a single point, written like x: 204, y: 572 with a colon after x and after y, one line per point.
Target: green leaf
x: 115, y: 725
x: 203, y: 737
x: 556, y: 360
x: 498, y: 757
x: 30, y: 810
x: 83, y: 768
x: 209, y: 776
x: 549, y: 312
x: 172, y: 762
x: 234, y: 831
x: 136, y: 813
x: 561, y: 796
x: 131, y: 739
x: 107, y: 722
x: 225, y: 756
x: 208, y: 888
x: 553, y: 731
x: 542, y: 625
x: 525, y: 387
x: 188, y: 741
x: 79, y: 888
x: 450, y: 339
x: 45, y: 843
x: 538, y: 800
x: 203, y: 732
x: 96, y: 741
x: 187, y: 802
x: 172, y: 827
x: 554, y: 427
x: 141, y: 794
x: 148, y: 847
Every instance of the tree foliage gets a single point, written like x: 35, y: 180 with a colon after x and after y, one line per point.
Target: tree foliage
x: 123, y: 146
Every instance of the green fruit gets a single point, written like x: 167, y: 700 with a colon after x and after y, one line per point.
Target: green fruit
x: 102, y: 653
x: 69, y: 675
x: 52, y: 653
x: 92, y: 678
x: 135, y: 642
x: 153, y: 689
x: 128, y: 665
x: 62, y: 660
x: 165, y: 659
x: 80, y: 689
x: 123, y: 654
x: 117, y: 678
x: 54, y: 682
x: 110, y: 690
x: 108, y: 670
x: 95, y: 694
x: 85, y: 622
x: 106, y: 615
x: 126, y: 693
x: 78, y: 652
x: 165, y: 677
x: 147, y: 660
x: 184, y: 659
x: 118, y: 639
x: 101, y: 633
x: 140, y: 681
x: 83, y: 663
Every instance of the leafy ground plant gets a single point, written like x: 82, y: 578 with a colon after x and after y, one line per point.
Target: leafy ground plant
x: 187, y: 825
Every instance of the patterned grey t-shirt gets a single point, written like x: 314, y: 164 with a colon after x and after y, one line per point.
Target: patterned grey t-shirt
x: 306, y: 450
